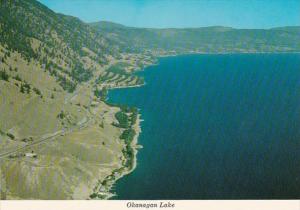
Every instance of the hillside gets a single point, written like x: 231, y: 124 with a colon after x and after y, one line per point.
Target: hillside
x: 65, y: 46
x: 58, y: 137
x: 215, y: 39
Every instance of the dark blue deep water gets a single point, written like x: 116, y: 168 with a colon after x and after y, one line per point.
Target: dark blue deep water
x: 217, y: 127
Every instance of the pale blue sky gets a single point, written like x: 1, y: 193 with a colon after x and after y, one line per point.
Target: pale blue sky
x: 184, y: 13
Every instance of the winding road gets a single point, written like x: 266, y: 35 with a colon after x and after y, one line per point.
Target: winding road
x: 80, y: 125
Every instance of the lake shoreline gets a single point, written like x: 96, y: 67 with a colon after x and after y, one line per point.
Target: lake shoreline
x: 188, y: 149
x: 134, y: 145
x: 104, y: 188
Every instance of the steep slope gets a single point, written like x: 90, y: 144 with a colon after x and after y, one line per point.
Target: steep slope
x: 65, y: 46
x: 58, y: 138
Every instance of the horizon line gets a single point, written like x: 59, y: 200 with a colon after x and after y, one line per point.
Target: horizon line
x: 188, y: 27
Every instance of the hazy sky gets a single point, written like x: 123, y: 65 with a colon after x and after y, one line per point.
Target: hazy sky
x: 184, y: 13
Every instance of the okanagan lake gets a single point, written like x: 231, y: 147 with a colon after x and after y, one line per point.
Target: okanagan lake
x: 216, y: 127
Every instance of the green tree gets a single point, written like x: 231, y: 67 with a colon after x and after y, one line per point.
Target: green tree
x: 61, y: 115
x: 4, y: 76
x: 22, y: 89
x: 128, y: 135
x: 122, y: 119
x: 17, y: 77
x: 37, y: 91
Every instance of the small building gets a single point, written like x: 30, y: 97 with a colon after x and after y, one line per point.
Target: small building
x: 31, y: 155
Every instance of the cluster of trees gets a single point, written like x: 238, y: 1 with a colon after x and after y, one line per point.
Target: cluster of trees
x: 128, y: 109
x: 25, y: 87
x: 13, y: 37
x: 128, y: 154
x: 37, y: 91
x: 40, y: 23
x: 18, y: 78
x: 93, y: 195
x: 80, y: 74
x: 123, y: 119
x: 133, y: 117
x: 128, y: 135
x: 98, y: 93
x: 66, y: 84
x: 4, y: 76
x: 11, y: 136
x: 61, y: 115
x: 29, y: 139
x: 102, y: 94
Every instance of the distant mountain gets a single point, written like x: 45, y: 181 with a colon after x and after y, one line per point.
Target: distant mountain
x: 216, y: 39
x: 57, y: 140
x: 72, y: 50
x: 107, y: 25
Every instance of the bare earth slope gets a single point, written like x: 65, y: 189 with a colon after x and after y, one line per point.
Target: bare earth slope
x: 58, y: 138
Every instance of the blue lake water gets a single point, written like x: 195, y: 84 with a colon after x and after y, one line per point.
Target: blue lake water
x: 217, y: 127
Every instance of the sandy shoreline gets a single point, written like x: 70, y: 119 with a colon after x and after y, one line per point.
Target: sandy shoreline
x: 123, y: 87
x: 134, y: 145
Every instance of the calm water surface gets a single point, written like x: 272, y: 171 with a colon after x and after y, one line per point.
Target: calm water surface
x: 217, y: 127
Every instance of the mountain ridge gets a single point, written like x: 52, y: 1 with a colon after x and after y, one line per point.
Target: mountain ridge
x: 214, y: 39
x: 112, y: 23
